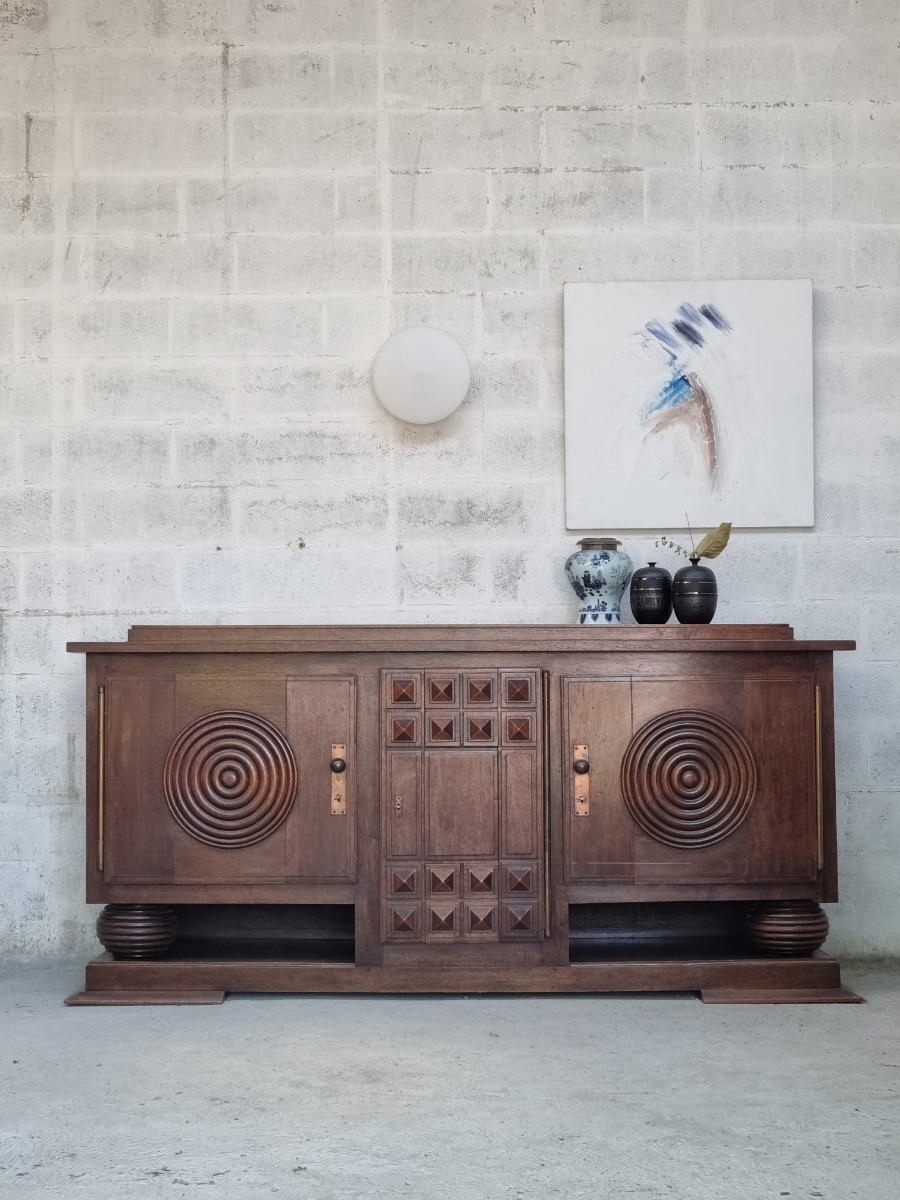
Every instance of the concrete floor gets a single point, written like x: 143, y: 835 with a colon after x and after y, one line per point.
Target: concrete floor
x: 492, y: 1098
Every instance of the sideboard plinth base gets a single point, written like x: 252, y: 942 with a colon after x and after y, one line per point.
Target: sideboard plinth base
x: 98, y: 998
x: 813, y: 980
x: 839, y: 995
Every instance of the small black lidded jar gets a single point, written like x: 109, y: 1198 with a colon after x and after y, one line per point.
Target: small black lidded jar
x: 695, y: 594
x: 651, y: 595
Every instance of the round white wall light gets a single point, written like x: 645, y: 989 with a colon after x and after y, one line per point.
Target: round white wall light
x: 421, y: 375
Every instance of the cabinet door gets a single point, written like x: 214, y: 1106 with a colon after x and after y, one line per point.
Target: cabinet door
x: 691, y: 781
x: 462, y: 812
x: 213, y: 778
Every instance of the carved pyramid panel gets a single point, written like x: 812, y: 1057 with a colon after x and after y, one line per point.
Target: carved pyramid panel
x: 442, y: 730
x: 442, y: 690
x: 443, y: 920
x: 519, y: 729
x: 481, y: 880
x: 481, y: 921
x: 404, y: 921
x: 519, y: 919
x: 442, y: 881
x: 404, y: 880
x: 461, y: 805
x: 481, y: 730
x: 518, y: 689
x: 404, y: 690
x: 403, y: 730
x: 519, y: 880
x: 480, y: 689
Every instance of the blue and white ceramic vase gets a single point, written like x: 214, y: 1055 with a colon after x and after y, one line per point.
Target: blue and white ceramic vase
x: 599, y: 572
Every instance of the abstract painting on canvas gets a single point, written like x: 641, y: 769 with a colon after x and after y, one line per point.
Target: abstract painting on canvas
x: 688, y: 398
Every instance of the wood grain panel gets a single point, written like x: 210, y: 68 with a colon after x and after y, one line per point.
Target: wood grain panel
x: 138, y: 825
x: 724, y: 697
x: 783, y: 832
x: 726, y: 862
x: 520, y: 804
x: 320, y: 845
x: 461, y: 805
x: 597, y: 714
x: 199, y: 693
x: 402, y: 805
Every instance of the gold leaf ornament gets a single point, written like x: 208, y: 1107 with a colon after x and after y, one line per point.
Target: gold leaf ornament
x: 712, y: 545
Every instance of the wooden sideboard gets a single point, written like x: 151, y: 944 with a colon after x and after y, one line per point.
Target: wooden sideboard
x: 460, y: 809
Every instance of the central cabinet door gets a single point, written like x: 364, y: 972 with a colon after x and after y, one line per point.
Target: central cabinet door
x: 462, y: 811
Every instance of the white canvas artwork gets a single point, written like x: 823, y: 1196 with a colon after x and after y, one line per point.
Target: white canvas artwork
x: 688, y: 398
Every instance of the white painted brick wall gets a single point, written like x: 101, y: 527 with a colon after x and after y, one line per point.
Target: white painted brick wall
x: 212, y: 213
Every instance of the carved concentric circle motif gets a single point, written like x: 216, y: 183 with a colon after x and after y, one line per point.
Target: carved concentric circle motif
x: 688, y: 778
x: 230, y: 778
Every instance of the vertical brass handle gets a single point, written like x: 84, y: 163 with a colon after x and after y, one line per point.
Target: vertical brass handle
x: 545, y: 794
x: 820, y: 799
x: 581, y: 767
x: 338, y: 767
x: 101, y: 772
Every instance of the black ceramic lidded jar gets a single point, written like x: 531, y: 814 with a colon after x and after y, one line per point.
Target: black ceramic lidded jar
x: 694, y: 594
x: 651, y: 595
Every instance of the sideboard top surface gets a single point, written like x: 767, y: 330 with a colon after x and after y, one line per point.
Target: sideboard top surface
x: 529, y: 639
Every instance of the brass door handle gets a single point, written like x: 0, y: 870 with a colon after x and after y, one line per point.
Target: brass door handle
x: 101, y: 774
x: 582, y: 781
x: 820, y: 786
x: 338, y: 767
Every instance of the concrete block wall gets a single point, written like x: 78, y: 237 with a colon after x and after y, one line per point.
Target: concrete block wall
x: 213, y: 212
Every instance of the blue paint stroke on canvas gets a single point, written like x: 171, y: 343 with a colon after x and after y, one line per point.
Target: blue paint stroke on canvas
x: 685, y: 399
x: 715, y: 317
x: 676, y: 391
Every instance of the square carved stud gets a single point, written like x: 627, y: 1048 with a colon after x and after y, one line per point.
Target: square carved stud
x: 403, y: 690
x: 403, y: 918
x: 518, y: 729
x: 403, y: 729
x: 482, y: 879
x: 403, y: 879
x: 480, y: 729
x: 520, y: 918
x: 519, y: 879
x: 442, y: 729
x: 482, y: 918
x: 442, y: 690
x: 442, y: 881
x: 442, y: 918
x: 480, y: 690
x: 518, y: 690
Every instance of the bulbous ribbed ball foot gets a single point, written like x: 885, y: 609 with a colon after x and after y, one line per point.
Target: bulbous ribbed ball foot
x: 137, y: 930
x: 787, y: 928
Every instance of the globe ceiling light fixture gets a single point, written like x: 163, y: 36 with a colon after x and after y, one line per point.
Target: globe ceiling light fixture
x: 421, y: 375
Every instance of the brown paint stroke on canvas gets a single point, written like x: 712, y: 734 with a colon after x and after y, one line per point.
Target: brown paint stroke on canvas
x: 696, y: 416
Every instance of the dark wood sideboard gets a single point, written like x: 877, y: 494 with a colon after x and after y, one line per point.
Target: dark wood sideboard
x: 461, y: 809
